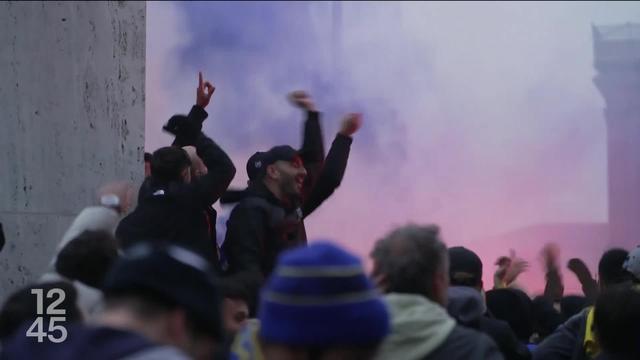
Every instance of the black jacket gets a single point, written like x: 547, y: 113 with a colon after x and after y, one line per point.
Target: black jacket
x: 466, y: 344
x: 181, y: 213
x: 567, y: 342
x: 260, y: 226
x: 86, y: 342
x: 465, y: 304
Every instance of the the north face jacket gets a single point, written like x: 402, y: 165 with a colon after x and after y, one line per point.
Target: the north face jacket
x: 175, y: 212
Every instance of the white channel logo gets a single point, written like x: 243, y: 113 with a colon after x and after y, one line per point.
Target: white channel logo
x: 37, y: 328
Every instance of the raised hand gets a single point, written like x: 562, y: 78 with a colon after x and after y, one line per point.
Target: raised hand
x: 124, y: 190
x: 503, y: 263
x: 350, y: 124
x: 302, y: 100
x: 517, y: 267
x: 589, y: 284
x: 509, y: 268
x: 554, y: 288
x: 550, y: 255
x: 578, y: 267
x: 204, y: 92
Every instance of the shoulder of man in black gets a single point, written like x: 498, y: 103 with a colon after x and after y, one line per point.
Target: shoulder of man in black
x: 566, y: 341
x: 245, y: 249
x: 245, y: 237
x: 505, y: 338
x: 466, y: 344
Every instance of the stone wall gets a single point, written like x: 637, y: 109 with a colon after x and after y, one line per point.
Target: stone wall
x: 72, y: 98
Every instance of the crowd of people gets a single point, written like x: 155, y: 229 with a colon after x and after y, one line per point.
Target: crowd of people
x: 158, y: 281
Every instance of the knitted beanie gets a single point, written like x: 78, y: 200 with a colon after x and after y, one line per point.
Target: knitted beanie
x: 171, y: 273
x: 319, y: 296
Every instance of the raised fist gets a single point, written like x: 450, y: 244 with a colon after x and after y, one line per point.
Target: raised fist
x: 550, y: 254
x: 509, y: 268
x: 204, y: 92
x: 302, y: 100
x: 578, y: 267
x: 350, y: 124
x: 124, y: 190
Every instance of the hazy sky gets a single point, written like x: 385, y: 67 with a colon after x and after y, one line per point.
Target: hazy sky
x: 480, y: 117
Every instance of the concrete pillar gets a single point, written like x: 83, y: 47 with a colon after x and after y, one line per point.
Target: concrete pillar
x: 72, y: 100
x: 616, y: 58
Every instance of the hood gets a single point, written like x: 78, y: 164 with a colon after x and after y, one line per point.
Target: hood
x: 145, y: 189
x: 151, y: 187
x: 95, y: 218
x: 465, y: 304
x: 256, y: 189
x: 418, y: 327
x: 259, y: 190
x: 232, y: 196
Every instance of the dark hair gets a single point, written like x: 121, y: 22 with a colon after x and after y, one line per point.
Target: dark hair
x: 572, y: 304
x: 21, y: 306
x: 148, y: 304
x: 144, y: 303
x: 545, y: 317
x: 167, y: 164
x: 147, y: 157
x: 610, y: 270
x: 513, y: 306
x: 617, y: 321
x: 233, y: 290
x: 409, y: 257
x: 88, y: 257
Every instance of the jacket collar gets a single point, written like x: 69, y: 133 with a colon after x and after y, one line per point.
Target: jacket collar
x: 259, y: 189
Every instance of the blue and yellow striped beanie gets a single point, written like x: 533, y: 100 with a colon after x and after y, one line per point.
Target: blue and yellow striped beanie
x: 320, y: 296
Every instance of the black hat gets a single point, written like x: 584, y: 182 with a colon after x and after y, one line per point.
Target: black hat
x: 176, y: 275
x: 465, y: 267
x: 258, y: 162
x: 185, y: 131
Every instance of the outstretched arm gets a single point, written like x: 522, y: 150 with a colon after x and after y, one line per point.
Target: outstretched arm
x: 220, y: 169
x: 187, y: 129
x: 589, y: 285
x: 509, y: 268
x: 554, y: 288
x: 335, y: 165
x: 312, y: 150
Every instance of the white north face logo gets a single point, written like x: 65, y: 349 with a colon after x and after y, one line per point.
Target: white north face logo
x: 258, y: 164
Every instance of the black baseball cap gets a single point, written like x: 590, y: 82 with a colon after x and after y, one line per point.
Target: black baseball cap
x: 465, y: 267
x: 258, y: 162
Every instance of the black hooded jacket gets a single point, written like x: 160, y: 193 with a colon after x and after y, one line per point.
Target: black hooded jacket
x: 465, y: 304
x: 260, y: 227
x: 178, y: 212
